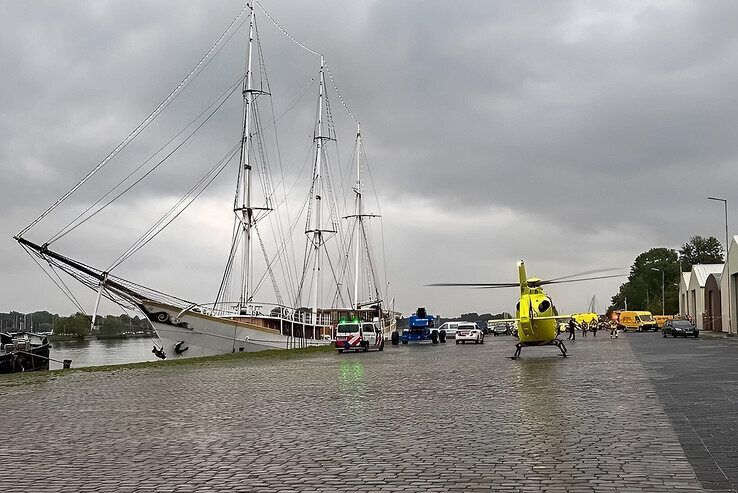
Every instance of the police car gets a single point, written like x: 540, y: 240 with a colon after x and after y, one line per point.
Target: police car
x: 469, y: 333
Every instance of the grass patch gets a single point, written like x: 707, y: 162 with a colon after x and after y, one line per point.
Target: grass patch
x: 269, y: 355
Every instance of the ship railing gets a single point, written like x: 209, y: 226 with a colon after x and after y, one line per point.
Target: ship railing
x: 274, y: 311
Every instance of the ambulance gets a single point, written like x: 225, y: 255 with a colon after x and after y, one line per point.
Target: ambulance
x: 355, y: 335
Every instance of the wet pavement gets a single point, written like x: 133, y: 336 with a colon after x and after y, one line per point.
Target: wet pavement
x: 697, y: 381
x: 411, y: 418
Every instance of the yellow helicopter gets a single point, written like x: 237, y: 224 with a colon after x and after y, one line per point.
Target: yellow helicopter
x: 535, y: 313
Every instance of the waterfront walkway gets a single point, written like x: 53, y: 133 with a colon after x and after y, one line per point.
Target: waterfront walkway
x: 412, y: 418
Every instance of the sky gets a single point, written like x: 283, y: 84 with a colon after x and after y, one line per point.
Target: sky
x: 573, y: 135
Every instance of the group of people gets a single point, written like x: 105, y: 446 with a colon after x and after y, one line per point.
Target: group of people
x: 593, y: 327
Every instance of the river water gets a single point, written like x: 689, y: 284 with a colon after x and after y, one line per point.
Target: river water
x: 93, y: 352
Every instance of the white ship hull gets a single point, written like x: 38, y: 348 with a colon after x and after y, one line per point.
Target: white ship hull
x: 191, y: 334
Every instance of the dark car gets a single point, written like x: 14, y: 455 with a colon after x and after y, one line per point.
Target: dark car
x: 481, y: 325
x: 501, y: 330
x: 680, y: 328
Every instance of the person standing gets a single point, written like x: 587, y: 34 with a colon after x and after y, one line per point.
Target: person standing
x: 613, y: 329
x: 595, y: 326
x: 584, y: 328
x: 572, y: 328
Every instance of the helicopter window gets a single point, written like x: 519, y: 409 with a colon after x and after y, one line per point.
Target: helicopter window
x: 517, y: 306
x: 544, y: 305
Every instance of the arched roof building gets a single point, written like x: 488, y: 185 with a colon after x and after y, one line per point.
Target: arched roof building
x: 696, y: 292
x: 729, y: 287
x: 713, y: 308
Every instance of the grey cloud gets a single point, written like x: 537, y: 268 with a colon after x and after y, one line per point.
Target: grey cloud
x: 587, y: 125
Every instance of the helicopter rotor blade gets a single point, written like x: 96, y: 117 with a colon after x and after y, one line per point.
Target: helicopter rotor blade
x: 509, y: 285
x: 582, y: 279
x: 556, y: 280
x: 585, y: 273
x: 479, y: 285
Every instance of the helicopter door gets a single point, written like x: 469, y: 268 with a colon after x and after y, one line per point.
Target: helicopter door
x: 525, y: 321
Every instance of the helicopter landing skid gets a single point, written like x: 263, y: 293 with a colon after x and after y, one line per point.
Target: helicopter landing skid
x: 556, y: 342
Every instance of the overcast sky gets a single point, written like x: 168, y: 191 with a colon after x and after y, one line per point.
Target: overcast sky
x: 573, y: 135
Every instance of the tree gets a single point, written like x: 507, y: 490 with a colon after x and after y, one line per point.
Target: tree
x: 643, y: 288
x: 700, y: 250
x: 76, y: 325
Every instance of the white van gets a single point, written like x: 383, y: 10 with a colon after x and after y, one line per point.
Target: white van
x: 452, y: 327
x: 358, y: 336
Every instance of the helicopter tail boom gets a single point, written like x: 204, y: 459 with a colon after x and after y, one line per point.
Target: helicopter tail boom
x: 522, y: 276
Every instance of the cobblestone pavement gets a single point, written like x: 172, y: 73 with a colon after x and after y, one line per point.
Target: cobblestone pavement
x: 412, y: 418
x: 697, y: 381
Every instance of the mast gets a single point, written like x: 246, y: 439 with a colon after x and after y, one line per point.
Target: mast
x: 359, y: 213
x: 245, y: 209
x: 361, y: 241
x: 317, y: 232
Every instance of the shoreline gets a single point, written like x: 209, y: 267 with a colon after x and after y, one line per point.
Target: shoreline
x: 22, y: 378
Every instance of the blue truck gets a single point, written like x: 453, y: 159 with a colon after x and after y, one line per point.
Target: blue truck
x: 420, y: 327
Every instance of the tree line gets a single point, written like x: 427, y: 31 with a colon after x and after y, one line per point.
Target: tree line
x: 77, y: 324
x: 642, y: 291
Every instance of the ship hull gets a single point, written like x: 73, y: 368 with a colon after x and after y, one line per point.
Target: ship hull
x: 191, y: 334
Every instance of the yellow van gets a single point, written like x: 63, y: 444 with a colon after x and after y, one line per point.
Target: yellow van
x: 661, y: 319
x: 636, y: 320
x: 586, y: 317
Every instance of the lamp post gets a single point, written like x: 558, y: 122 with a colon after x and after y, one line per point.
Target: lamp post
x: 727, y: 261
x: 663, y: 302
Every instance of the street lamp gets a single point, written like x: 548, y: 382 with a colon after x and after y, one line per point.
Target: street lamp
x: 663, y: 303
x: 727, y: 261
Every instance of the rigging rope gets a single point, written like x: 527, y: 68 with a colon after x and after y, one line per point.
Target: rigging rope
x: 282, y: 248
x: 385, y: 287
x: 70, y: 226
x: 283, y: 31
x: 340, y: 97
x: 344, y: 269
x: 279, y: 230
x: 339, y: 294
x: 152, y: 232
x: 275, y: 286
x: 224, y: 283
x: 68, y: 292
x: 215, y: 48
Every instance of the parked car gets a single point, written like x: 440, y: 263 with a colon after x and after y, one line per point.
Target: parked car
x: 680, y: 328
x: 469, y: 332
x: 501, y: 330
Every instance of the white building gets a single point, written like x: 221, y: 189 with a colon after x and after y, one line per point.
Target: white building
x: 696, y: 290
x: 729, y: 279
x: 683, y: 294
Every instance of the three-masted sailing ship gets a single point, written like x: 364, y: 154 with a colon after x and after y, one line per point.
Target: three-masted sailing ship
x: 333, y: 284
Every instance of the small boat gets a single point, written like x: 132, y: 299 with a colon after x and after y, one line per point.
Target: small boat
x: 23, y: 351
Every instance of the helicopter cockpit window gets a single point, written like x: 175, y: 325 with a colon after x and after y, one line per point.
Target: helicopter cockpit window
x: 544, y: 305
x: 517, y: 306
